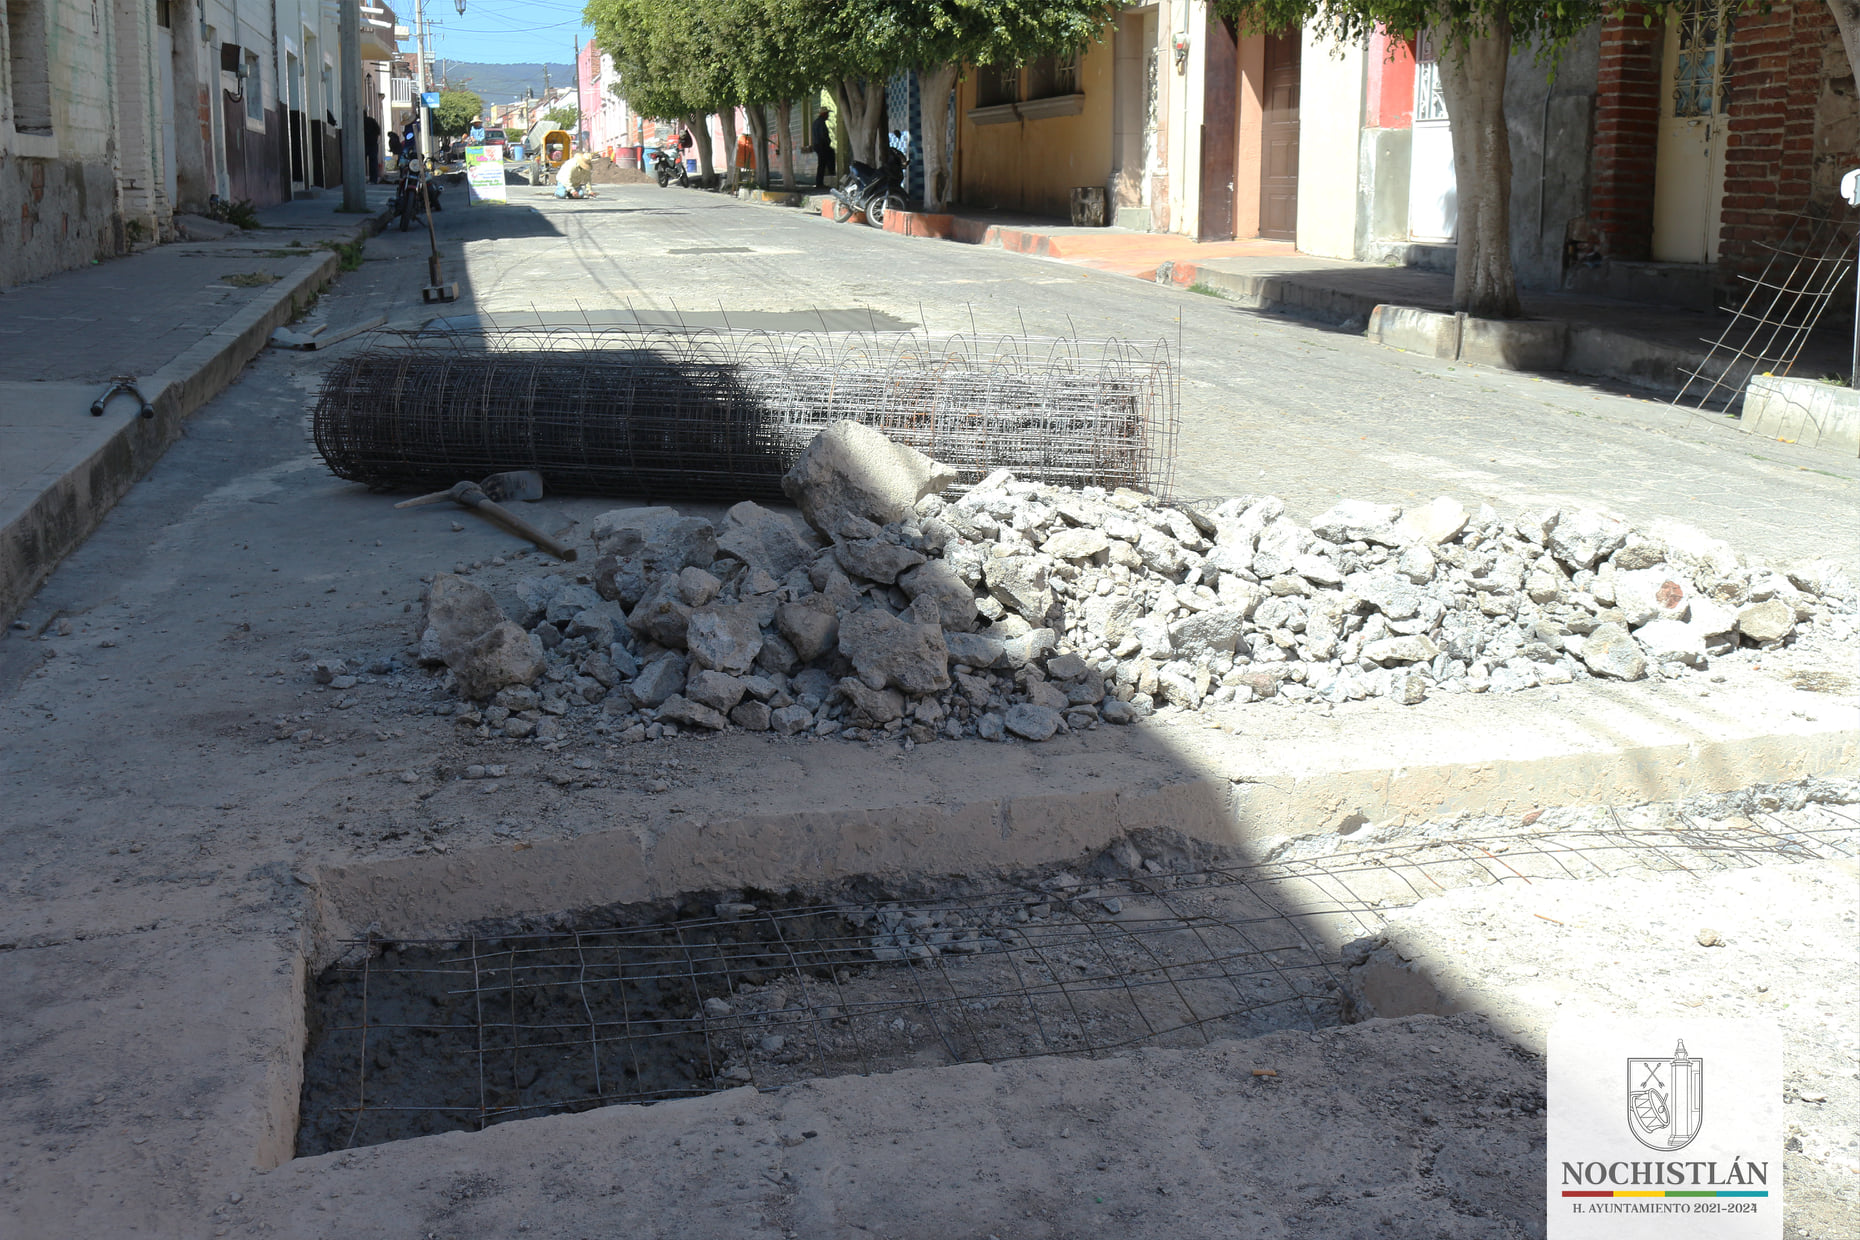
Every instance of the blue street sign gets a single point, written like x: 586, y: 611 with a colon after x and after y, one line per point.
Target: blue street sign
x: 429, y: 98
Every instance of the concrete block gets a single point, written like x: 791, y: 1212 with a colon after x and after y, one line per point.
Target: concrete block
x: 1514, y: 344
x: 1803, y: 411
x: 1426, y: 332
x: 1137, y: 219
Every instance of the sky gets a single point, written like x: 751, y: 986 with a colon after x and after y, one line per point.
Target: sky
x: 501, y: 32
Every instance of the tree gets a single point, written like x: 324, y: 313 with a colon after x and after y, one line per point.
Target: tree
x: 564, y: 118
x: 672, y: 60
x: 1473, y: 41
x: 455, y: 113
x: 937, y: 39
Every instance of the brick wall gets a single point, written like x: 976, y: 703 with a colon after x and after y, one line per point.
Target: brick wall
x: 1627, y: 126
x: 1779, y: 76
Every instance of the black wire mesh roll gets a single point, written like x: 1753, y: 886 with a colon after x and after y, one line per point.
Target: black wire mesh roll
x: 720, y: 416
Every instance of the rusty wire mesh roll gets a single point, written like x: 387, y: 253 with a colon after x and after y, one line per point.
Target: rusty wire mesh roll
x: 721, y: 415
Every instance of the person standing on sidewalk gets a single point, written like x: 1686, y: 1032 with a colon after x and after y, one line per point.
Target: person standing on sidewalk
x: 823, y: 151
x: 371, y: 143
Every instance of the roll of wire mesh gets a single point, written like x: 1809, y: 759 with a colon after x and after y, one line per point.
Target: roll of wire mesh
x: 719, y: 416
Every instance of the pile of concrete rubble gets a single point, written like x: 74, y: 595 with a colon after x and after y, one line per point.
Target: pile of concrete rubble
x: 1027, y: 610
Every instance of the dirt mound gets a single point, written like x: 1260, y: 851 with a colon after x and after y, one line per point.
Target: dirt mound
x: 607, y: 172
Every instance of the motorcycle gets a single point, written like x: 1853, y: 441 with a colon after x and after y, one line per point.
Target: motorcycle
x: 870, y: 191
x: 668, y: 167
x: 407, y: 193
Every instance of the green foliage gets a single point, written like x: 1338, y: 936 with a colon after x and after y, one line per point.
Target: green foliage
x: 564, y: 118
x: 676, y: 58
x: 348, y: 253
x: 454, y: 114
x: 240, y: 212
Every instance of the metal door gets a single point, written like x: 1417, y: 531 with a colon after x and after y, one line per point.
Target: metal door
x: 1688, y: 180
x: 1278, y: 174
x: 1433, y: 186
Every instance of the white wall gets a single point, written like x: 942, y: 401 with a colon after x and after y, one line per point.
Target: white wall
x: 1330, y: 116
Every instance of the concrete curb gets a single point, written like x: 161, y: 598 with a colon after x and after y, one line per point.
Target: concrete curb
x: 60, y: 518
x: 1235, y: 804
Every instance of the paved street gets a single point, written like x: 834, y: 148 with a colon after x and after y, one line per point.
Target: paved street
x: 176, y: 783
x: 1268, y: 404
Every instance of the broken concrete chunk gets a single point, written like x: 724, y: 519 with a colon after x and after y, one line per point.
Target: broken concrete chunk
x: 751, y: 716
x: 658, y: 680
x: 688, y: 714
x: 1034, y: 723
x: 1661, y: 593
x: 1434, y: 523
x: 1415, y: 648
x: 810, y: 625
x: 849, y: 468
x: 975, y: 650
x: 1767, y: 622
x: 955, y: 600
x: 1075, y: 544
x: 504, y: 655
x: 771, y: 541
x: 662, y: 616
x: 1355, y: 520
x: 1021, y: 583
x: 1611, y: 651
x: 725, y: 639
x: 1670, y: 641
x: 910, y: 656
x: 1582, y: 539
x: 714, y: 689
x: 788, y: 720
x: 1218, y: 630
x: 869, y: 707
x: 875, y: 559
x: 457, y: 612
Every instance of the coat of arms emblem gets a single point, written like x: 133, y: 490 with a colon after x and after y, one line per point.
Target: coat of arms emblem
x: 1666, y: 1099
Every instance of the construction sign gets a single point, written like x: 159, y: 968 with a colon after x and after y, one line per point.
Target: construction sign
x: 484, y: 173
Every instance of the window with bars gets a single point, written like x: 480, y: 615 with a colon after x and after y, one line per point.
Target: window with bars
x: 1702, y: 73
x: 995, y: 86
x: 1052, y: 76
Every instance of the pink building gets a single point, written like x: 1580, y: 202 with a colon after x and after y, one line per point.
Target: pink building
x: 608, y: 126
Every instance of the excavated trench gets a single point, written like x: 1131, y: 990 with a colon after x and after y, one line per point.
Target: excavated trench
x: 1157, y: 941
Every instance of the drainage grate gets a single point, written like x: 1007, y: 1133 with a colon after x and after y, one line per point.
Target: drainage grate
x: 419, y: 1036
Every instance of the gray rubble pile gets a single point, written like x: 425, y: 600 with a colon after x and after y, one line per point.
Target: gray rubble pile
x: 1025, y: 610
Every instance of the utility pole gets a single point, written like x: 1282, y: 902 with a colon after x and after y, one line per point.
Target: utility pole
x: 419, y: 77
x: 354, y: 159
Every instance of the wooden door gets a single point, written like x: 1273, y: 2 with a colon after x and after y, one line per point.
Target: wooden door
x: 1278, y: 174
x: 1220, y: 136
x: 1688, y: 179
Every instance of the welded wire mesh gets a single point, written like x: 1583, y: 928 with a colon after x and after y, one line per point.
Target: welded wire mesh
x: 417, y: 1036
x: 720, y: 415
x: 1767, y: 332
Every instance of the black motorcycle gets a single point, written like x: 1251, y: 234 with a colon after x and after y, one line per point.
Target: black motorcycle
x: 407, y: 193
x: 668, y: 167
x: 873, y: 191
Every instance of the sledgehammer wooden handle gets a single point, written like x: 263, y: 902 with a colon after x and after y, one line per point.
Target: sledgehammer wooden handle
x: 472, y: 496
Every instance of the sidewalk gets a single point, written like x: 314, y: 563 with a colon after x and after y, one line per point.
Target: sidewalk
x: 1640, y: 345
x: 182, y: 319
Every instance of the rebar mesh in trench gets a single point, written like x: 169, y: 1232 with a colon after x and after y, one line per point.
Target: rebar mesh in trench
x: 721, y: 415
x: 421, y: 1036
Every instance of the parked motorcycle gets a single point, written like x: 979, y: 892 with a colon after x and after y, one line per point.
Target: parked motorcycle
x: 407, y: 193
x: 871, y: 191
x: 668, y: 167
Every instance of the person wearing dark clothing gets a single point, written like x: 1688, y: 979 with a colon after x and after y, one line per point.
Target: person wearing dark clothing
x: 371, y: 142
x: 823, y: 150
x: 394, y: 148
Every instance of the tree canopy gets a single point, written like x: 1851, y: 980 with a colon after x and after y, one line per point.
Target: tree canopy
x: 455, y: 112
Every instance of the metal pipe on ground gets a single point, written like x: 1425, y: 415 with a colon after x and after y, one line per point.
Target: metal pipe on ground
x: 721, y: 415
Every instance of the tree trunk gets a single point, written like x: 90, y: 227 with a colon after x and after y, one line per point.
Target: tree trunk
x: 1847, y: 17
x: 727, y: 116
x: 700, y: 137
x: 759, y: 137
x: 784, y: 121
x: 1472, y: 82
x: 933, y: 87
x: 862, y: 108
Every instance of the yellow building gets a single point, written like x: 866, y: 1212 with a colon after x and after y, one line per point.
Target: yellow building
x: 1027, y: 137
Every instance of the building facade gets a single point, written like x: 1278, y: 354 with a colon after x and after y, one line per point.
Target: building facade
x: 115, y: 115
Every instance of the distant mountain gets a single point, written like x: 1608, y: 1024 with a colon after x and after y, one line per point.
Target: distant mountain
x: 504, y: 83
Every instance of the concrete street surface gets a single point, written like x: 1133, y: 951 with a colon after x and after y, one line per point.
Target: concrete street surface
x: 192, y: 821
